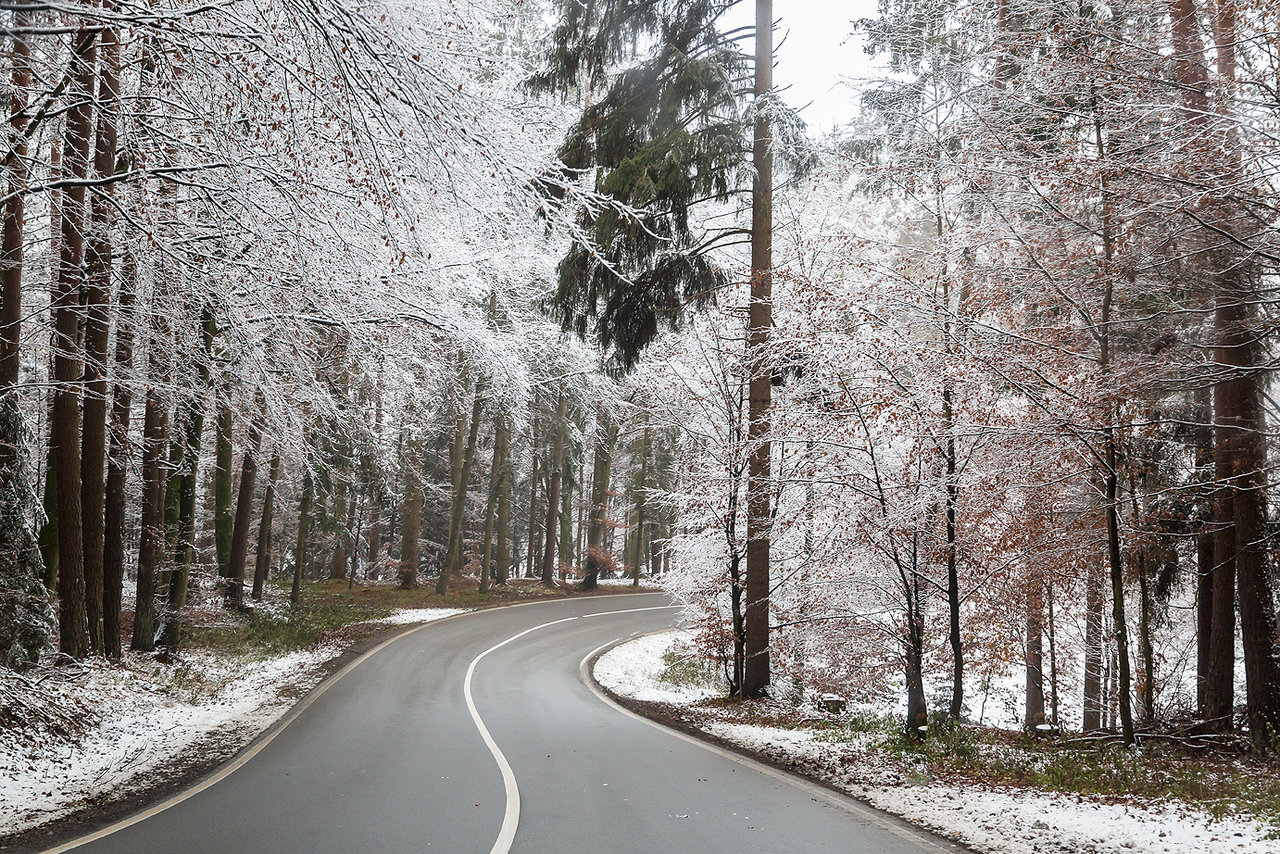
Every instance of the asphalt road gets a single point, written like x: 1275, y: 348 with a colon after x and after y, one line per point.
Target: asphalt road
x: 458, y: 738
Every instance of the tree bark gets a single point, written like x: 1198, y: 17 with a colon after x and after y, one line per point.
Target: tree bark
x: 223, y: 520
x: 262, y: 561
x: 411, y: 527
x: 1035, y: 656
x: 601, y: 469
x: 97, y: 290
x: 243, y: 519
x: 532, y: 550
x: 73, y: 629
x: 184, y: 541
x: 118, y: 457
x: 457, y: 508
x: 503, y: 559
x: 759, y: 474
x: 641, y: 487
x: 14, y: 211
x: 341, y: 513
x: 553, y: 497
x: 300, y: 544
x: 1093, y: 703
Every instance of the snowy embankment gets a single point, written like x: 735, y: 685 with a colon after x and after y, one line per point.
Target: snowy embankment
x: 1010, y: 820
x: 75, y: 738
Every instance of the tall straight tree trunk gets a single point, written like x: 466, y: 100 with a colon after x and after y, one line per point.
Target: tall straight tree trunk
x: 641, y: 487
x: 244, y: 514
x: 49, y: 533
x: 412, y: 515
x: 223, y: 520
x: 155, y: 441
x: 1035, y: 656
x: 503, y: 438
x: 1093, y: 693
x: 304, y: 532
x: 532, y: 550
x: 1204, y: 545
x: 118, y: 457
x: 97, y: 300
x: 262, y: 560
x: 341, y: 513
x: 565, y: 556
x: 756, y: 675
x: 491, y: 504
x: 458, y: 507
x: 1239, y: 560
x: 1111, y: 462
x: 73, y: 636
x: 917, y: 705
x: 1147, y: 685
x: 184, y: 542
x: 553, y: 496
x: 601, y: 468
x: 1238, y: 399
x: 14, y: 210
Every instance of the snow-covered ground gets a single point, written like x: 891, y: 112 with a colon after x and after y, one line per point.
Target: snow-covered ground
x: 1008, y: 820
x: 77, y: 738
x: 408, y: 616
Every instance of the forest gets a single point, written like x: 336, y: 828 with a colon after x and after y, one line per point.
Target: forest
x: 965, y: 401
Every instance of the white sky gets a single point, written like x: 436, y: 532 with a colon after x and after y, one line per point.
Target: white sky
x: 816, y: 52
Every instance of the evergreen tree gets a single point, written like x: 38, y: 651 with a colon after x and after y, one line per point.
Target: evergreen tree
x: 661, y: 136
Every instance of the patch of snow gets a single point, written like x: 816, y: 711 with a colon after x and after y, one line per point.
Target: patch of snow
x: 1003, y: 820
x: 635, y: 669
x: 408, y: 616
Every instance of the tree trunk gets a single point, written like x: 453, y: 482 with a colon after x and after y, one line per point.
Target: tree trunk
x: 184, y: 542
x: 118, y: 464
x: 155, y: 441
x: 341, y: 513
x: 1035, y: 656
x: 262, y: 561
x: 412, y: 515
x: 1093, y: 694
x: 503, y: 438
x: 565, y: 557
x: 1147, y: 685
x: 14, y: 210
x: 642, y: 485
x: 223, y: 520
x: 553, y: 496
x: 244, y: 514
x: 300, y: 544
x: 49, y: 533
x: 1204, y: 546
x: 532, y: 550
x: 601, y: 468
x: 1238, y: 399
x: 917, y: 707
x: 760, y: 463
x: 1117, y: 588
x: 97, y: 322
x: 72, y: 619
x: 458, y: 507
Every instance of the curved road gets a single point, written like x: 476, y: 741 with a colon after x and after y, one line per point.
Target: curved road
x: 458, y: 738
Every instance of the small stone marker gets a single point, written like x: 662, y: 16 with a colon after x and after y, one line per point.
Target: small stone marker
x: 833, y: 703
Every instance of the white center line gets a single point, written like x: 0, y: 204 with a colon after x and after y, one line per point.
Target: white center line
x: 511, y: 816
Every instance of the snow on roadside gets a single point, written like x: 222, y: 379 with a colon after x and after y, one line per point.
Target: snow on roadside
x: 140, y: 721
x: 634, y: 669
x: 408, y: 616
x: 994, y: 819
